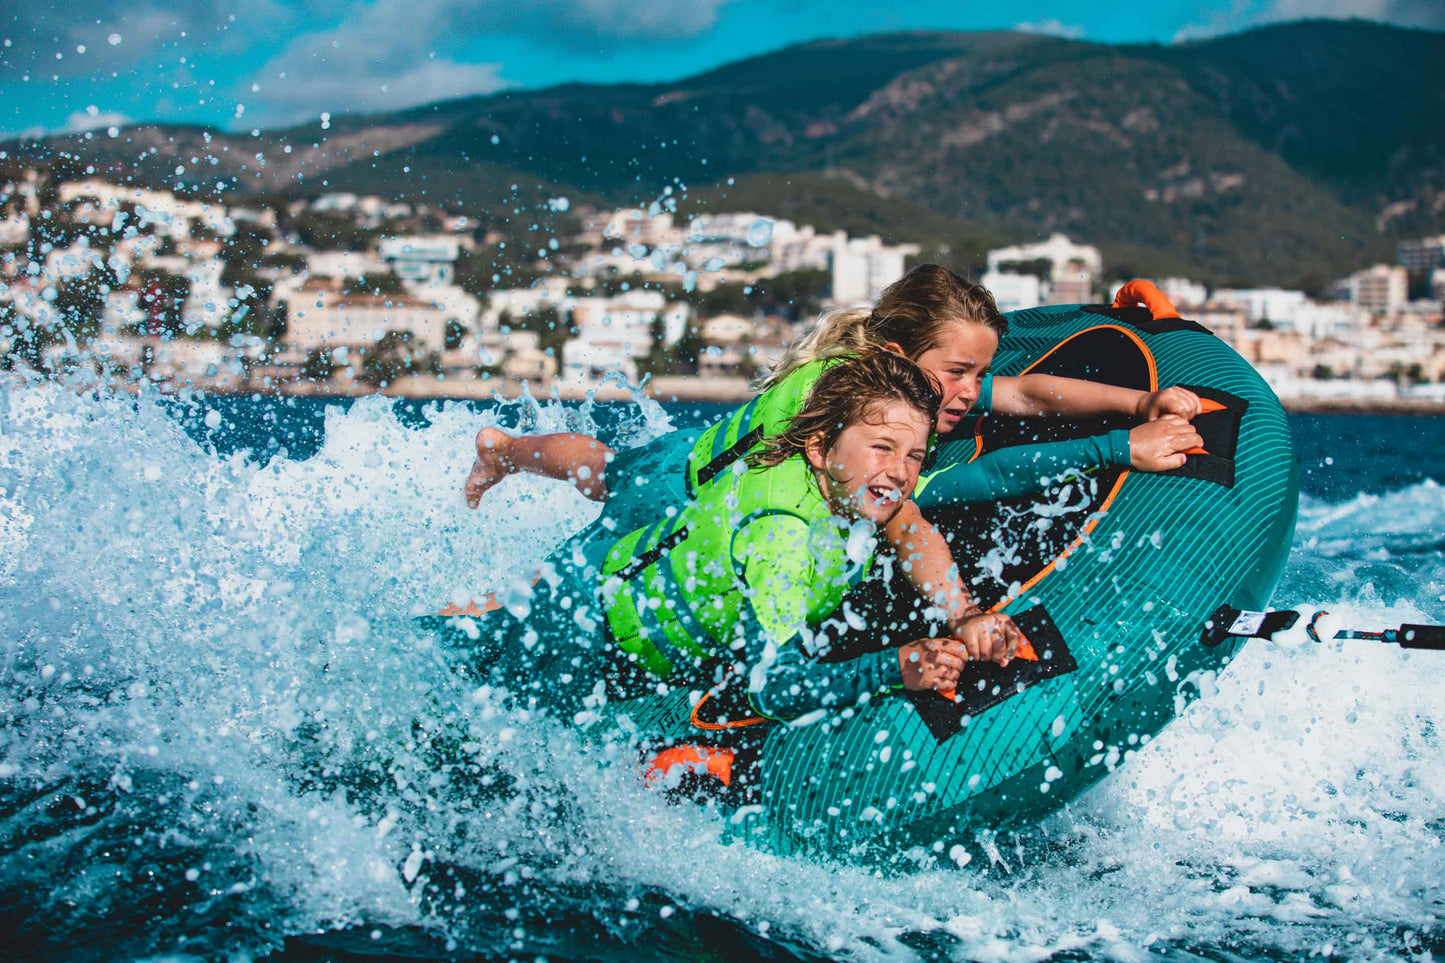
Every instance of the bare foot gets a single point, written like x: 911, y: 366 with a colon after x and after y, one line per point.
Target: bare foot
x: 492, y: 464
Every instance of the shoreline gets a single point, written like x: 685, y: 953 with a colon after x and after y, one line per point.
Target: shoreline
x: 684, y: 390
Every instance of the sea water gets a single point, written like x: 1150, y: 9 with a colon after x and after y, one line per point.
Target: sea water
x: 221, y: 736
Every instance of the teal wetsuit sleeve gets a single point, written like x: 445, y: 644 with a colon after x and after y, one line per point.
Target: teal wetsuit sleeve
x: 784, y: 678
x: 984, y: 404
x: 1019, y: 470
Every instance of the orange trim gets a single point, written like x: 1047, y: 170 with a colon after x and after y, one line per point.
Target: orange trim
x: 1209, y: 405
x: 715, y: 762
x: 719, y: 726
x: 1146, y: 294
x: 1093, y: 522
x: 489, y: 604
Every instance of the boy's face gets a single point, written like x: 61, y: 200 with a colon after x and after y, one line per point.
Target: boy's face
x: 873, y: 465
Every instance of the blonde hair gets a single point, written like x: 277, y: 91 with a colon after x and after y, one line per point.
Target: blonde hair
x: 912, y: 312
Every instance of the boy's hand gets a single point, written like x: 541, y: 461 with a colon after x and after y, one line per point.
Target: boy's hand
x: 989, y: 638
x: 1168, y: 401
x: 1160, y: 445
x: 931, y: 664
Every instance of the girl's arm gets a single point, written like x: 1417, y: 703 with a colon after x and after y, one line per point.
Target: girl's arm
x: 1159, y: 445
x: 928, y: 564
x: 578, y: 459
x: 780, y: 657
x: 1040, y: 394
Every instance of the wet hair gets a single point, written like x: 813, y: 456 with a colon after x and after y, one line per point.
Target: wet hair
x: 847, y: 393
x: 912, y: 312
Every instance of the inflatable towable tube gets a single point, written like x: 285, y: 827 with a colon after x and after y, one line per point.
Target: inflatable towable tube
x: 1122, y: 603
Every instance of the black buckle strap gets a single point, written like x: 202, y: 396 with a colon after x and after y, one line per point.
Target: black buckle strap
x: 731, y: 454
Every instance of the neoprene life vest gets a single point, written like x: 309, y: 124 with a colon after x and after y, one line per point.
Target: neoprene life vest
x: 749, y: 426
x: 677, y: 592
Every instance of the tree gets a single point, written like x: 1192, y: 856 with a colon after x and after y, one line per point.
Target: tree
x: 80, y: 302
x: 392, y: 356
x: 455, y: 332
x: 657, y: 361
x: 374, y: 282
x: 319, y: 365
x: 163, y: 298
x: 554, y: 330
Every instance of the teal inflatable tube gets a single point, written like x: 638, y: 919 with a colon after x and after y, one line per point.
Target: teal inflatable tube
x: 1117, y: 577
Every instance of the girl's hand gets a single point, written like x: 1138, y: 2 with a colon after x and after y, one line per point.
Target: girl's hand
x: 931, y: 664
x: 989, y: 638
x: 1168, y: 401
x: 1160, y: 445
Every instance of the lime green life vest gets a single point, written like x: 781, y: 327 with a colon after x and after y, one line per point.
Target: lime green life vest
x: 749, y: 426
x: 677, y: 593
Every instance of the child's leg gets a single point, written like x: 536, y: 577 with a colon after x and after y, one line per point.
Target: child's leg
x: 578, y: 459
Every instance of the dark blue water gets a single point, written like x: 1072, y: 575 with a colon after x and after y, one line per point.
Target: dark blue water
x: 221, y: 738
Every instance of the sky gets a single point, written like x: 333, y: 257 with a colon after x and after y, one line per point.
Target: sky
x: 243, y: 64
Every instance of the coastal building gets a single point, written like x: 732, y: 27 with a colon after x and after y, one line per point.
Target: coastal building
x: 96, y: 201
x: 422, y: 260
x: 15, y: 230
x: 863, y: 266
x: 1183, y: 293
x: 343, y: 264
x: 320, y: 316
x: 1381, y: 288
x: 1275, y: 305
x: 1074, y: 269
x: 1423, y: 254
x: 1013, y: 291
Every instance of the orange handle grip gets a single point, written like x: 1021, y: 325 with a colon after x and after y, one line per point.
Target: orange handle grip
x: 1145, y: 294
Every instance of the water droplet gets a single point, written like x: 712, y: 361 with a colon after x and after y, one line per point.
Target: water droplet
x: 760, y: 232
x: 114, y: 39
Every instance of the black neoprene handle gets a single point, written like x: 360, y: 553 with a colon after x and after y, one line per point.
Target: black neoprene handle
x: 1421, y: 637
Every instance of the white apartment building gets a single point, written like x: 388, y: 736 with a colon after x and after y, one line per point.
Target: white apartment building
x: 98, y: 201
x: 321, y: 317
x: 612, y: 333
x: 1329, y: 319
x: 1013, y: 292
x: 1276, y: 305
x: 422, y: 260
x: 1074, y: 271
x: 1182, y: 292
x: 343, y: 264
x: 863, y: 266
x: 1381, y: 288
x: 15, y: 230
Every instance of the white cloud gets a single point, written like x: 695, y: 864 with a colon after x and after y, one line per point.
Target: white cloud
x: 92, y: 118
x: 1052, y: 28
x: 391, y: 54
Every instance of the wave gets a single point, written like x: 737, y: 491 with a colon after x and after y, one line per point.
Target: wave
x: 221, y: 735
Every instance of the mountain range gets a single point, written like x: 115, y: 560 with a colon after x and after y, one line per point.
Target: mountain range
x: 1288, y: 154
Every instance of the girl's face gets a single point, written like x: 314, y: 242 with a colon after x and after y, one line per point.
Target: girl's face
x: 873, y: 465
x: 959, y: 362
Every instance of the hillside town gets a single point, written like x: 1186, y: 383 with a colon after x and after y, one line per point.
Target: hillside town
x: 341, y: 294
